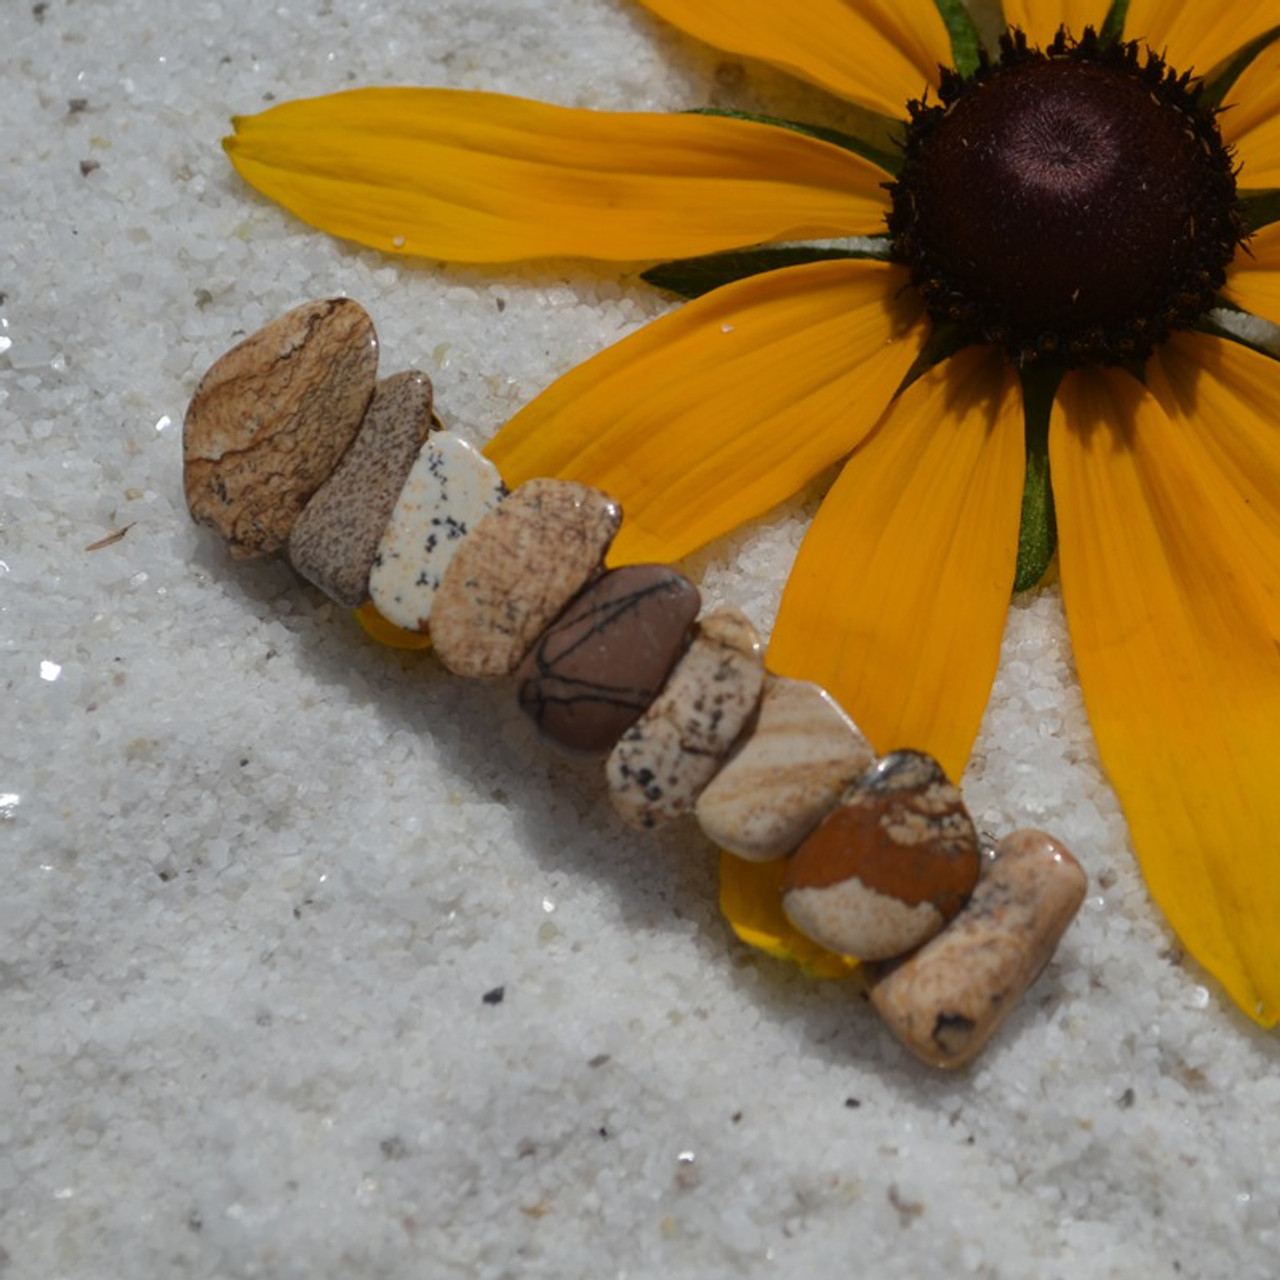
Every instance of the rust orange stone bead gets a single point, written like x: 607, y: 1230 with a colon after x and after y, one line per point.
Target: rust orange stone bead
x: 887, y: 868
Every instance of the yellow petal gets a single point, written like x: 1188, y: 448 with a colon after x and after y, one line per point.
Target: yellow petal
x: 1168, y: 503
x: 378, y: 628
x: 1195, y: 36
x: 878, y: 54
x: 1251, y: 121
x: 897, y: 601
x: 718, y: 411
x: 479, y: 177
x: 751, y: 900
x: 1040, y: 19
x: 1254, y: 280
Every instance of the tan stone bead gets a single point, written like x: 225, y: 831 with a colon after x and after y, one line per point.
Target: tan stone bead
x: 271, y: 419
x: 946, y: 1001
x: 801, y: 755
x: 516, y: 570
x: 660, y: 764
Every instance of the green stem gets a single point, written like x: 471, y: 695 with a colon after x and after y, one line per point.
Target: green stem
x: 966, y: 41
x: 692, y: 277
x: 885, y: 126
x: 1038, y: 532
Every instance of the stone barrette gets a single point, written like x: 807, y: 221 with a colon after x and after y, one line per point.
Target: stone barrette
x: 291, y: 445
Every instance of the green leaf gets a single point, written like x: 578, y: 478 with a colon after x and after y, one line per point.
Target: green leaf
x: 889, y: 161
x: 942, y: 343
x: 692, y: 277
x: 1038, y: 532
x: 966, y: 42
x: 1260, y: 208
x: 1113, y: 24
x: 1234, y: 325
x: 1217, y: 83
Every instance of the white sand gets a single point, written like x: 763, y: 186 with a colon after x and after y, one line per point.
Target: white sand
x: 259, y: 873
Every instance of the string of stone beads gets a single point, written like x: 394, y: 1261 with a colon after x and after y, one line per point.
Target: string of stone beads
x: 291, y: 445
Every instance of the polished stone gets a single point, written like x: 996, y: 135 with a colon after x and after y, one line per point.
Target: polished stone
x: 335, y: 540
x: 887, y: 868
x: 947, y: 1000
x: 271, y: 419
x: 594, y: 672
x: 803, y: 751
x: 516, y: 571
x: 661, y: 764
x: 450, y: 488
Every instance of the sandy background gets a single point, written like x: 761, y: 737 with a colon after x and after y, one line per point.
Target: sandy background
x: 259, y: 874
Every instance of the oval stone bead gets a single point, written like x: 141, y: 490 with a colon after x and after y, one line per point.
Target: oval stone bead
x: 596, y: 669
x: 801, y: 755
x: 660, y: 765
x: 946, y: 1001
x: 887, y: 868
x: 335, y: 540
x: 516, y: 570
x: 270, y: 420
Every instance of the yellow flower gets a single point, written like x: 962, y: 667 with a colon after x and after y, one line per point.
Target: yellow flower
x: 937, y: 361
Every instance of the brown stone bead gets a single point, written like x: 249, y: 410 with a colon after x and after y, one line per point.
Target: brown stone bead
x: 596, y: 669
x: 270, y: 420
x: 947, y: 1000
x: 887, y: 868
x: 516, y: 570
x: 336, y: 538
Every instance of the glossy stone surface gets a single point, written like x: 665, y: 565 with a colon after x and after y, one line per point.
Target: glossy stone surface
x: 802, y: 753
x: 335, y: 540
x: 593, y: 673
x: 887, y: 868
x: 947, y: 1000
x: 271, y: 419
x: 515, y: 572
x: 451, y: 487
x: 661, y: 764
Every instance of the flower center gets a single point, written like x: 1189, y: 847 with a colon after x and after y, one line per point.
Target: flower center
x: 1076, y: 204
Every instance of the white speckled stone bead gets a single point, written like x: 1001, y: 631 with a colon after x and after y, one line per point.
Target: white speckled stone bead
x: 660, y: 764
x: 451, y: 487
x: 801, y: 755
x: 946, y: 1001
x: 518, y: 569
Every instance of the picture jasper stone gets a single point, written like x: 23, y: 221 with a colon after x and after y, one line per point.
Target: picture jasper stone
x: 335, y: 540
x: 947, y: 1000
x: 451, y: 487
x: 596, y: 669
x: 270, y: 420
x: 887, y: 868
x: 660, y: 765
x: 802, y: 753
x: 518, y: 568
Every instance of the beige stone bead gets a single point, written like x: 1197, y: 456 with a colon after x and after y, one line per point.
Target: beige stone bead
x: 801, y: 755
x: 516, y: 570
x: 661, y: 764
x: 946, y: 1001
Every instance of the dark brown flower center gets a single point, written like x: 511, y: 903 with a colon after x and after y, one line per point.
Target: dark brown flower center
x: 1075, y: 205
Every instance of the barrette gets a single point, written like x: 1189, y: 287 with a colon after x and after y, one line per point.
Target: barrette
x: 292, y: 446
